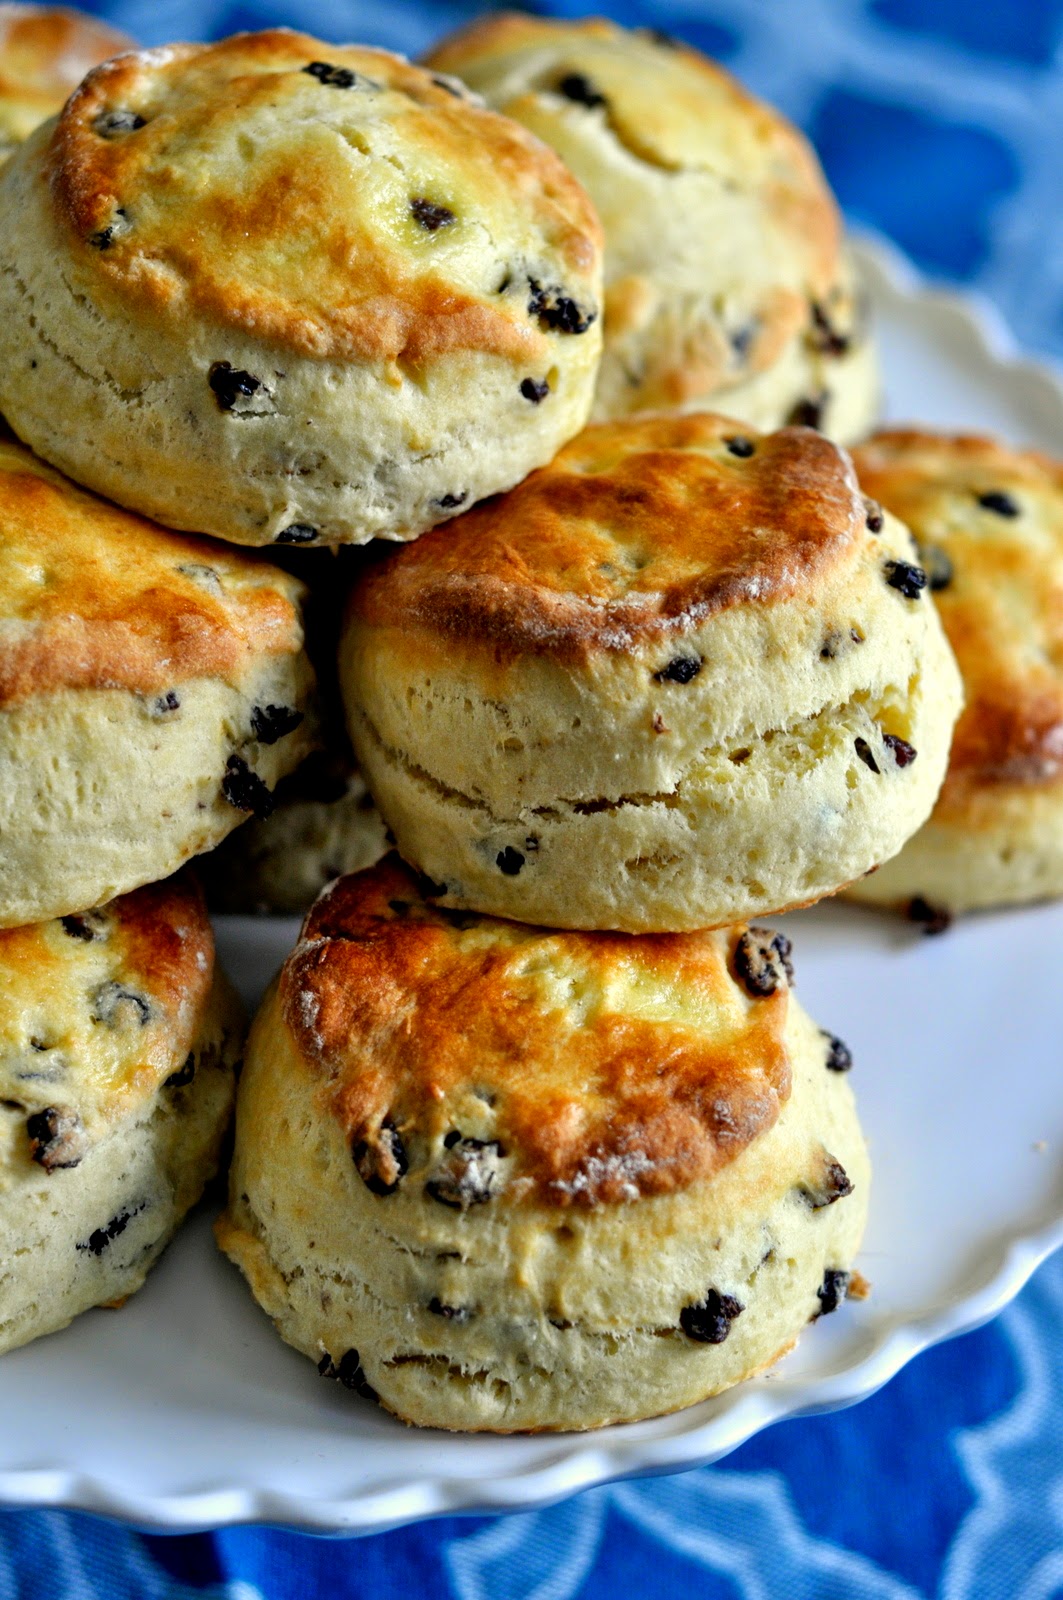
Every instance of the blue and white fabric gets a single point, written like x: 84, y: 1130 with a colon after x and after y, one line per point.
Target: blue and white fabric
x: 940, y: 123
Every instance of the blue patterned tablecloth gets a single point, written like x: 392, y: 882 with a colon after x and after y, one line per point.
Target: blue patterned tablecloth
x: 941, y: 125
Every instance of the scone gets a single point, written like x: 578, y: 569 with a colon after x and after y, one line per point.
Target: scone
x: 118, y: 1042
x: 279, y: 290
x: 45, y: 51
x: 682, y: 676
x: 727, y: 281
x: 507, y: 1178
x: 153, y: 689
x: 989, y: 523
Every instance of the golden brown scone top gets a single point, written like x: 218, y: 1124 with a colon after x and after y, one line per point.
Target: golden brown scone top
x: 673, y: 111
x: 45, y: 51
x: 594, y: 1068
x: 637, y: 527
x: 94, y: 597
x: 989, y: 522
x: 96, y: 1012
x: 672, y: 108
x: 333, y: 200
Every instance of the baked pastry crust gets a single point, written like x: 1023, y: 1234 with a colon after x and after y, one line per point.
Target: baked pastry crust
x: 727, y: 280
x: 634, y: 532
x: 94, y: 597
x: 382, y: 976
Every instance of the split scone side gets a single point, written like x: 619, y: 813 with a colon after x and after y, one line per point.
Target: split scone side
x: 728, y: 285
x: 682, y: 676
x: 153, y: 689
x: 119, y: 1038
x: 507, y: 1178
x: 45, y: 51
x: 278, y: 290
x: 989, y: 523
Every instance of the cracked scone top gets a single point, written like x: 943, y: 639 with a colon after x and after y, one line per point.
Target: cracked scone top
x: 727, y: 281
x: 153, y: 689
x: 683, y: 675
x: 118, y: 1037
x: 989, y: 523
x: 282, y: 285
x: 45, y: 51
x: 508, y: 1177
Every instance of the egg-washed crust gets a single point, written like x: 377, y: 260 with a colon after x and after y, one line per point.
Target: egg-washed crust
x: 97, y: 1010
x: 636, y: 529
x: 94, y: 597
x: 688, y: 112
x: 45, y: 51
x: 406, y: 1010
x: 674, y: 110
x: 260, y: 197
x: 1003, y: 606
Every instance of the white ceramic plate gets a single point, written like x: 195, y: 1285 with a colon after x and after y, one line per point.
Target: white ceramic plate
x: 185, y: 1411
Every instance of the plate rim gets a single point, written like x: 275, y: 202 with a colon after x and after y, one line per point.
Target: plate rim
x: 585, y: 1461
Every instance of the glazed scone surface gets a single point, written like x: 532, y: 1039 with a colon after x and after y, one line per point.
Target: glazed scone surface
x: 989, y: 521
x: 682, y: 676
x: 281, y: 285
x: 727, y: 283
x: 45, y: 51
x: 153, y: 689
x: 514, y: 1178
x: 118, y: 1039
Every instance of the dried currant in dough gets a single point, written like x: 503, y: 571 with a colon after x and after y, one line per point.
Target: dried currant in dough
x: 381, y: 1159
x: 1000, y: 501
x: 681, y: 669
x: 245, y: 790
x: 270, y: 723
x: 348, y: 1371
x: 431, y: 217
x: 906, y: 578
x: 762, y: 962
x: 839, y: 1056
x: 468, y: 1172
x: 229, y: 384
x: 113, y: 1005
x: 57, y: 1138
x: 831, y: 1183
x: 709, y: 1322
x: 576, y: 86
x: 833, y: 1290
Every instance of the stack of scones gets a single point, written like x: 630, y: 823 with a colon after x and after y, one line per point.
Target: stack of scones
x: 532, y: 1131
